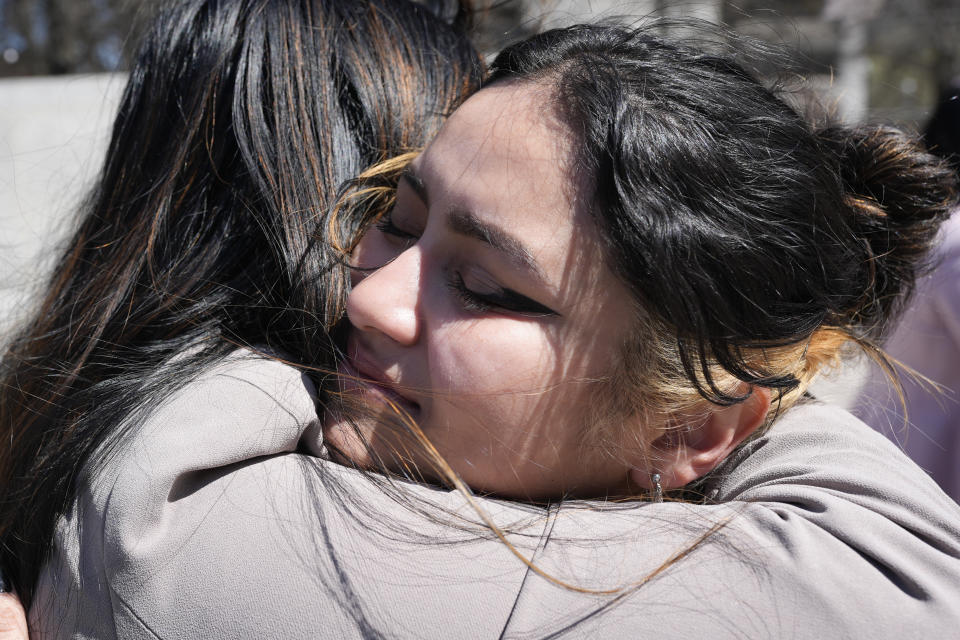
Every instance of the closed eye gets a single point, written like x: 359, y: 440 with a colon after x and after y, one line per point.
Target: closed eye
x: 499, y: 299
x: 386, y: 226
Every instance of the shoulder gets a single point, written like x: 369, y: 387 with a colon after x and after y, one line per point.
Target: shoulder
x: 837, y: 504
x: 823, y: 465
x: 819, y: 528
x: 248, y: 405
x: 818, y: 448
x: 173, y: 467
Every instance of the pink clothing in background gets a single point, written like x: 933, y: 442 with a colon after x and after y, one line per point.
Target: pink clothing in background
x: 927, y: 339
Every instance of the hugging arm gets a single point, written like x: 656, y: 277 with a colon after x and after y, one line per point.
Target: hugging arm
x: 246, y: 535
x: 209, y: 523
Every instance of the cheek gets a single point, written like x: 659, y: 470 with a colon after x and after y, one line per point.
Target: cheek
x: 492, y: 355
x: 508, y: 396
x: 506, y: 378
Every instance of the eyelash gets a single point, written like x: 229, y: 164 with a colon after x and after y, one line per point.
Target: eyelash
x: 502, y: 299
x: 385, y: 225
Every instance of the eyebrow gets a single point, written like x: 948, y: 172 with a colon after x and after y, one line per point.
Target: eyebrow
x: 466, y: 223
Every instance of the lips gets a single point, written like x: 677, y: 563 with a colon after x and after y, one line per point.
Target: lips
x: 360, y: 373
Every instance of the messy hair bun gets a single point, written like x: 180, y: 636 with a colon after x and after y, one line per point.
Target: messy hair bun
x: 897, y: 195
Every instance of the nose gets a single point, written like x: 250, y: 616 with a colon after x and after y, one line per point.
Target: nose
x: 387, y: 299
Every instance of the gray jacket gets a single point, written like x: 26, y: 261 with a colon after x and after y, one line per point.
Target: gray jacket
x: 211, y: 521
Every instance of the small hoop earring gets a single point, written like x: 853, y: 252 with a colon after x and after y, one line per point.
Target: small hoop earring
x: 657, y: 488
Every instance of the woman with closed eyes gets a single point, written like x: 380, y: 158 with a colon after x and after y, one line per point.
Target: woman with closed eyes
x: 614, y: 274
x: 601, y: 293
x: 592, y: 276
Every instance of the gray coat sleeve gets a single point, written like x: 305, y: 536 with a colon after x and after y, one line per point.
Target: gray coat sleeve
x: 827, y: 532
x: 209, y: 523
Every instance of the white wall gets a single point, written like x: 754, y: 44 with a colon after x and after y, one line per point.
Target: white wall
x: 53, y: 132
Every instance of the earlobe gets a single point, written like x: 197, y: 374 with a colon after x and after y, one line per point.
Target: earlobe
x: 682, y: 456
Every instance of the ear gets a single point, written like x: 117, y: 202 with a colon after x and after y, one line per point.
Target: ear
x: 682, y: 456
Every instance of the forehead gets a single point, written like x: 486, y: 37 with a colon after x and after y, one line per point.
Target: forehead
x: 505, y: 156
x: 514, y: 121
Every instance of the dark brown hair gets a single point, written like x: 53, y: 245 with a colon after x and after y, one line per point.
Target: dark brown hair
x: 755, y: 244
x: 239, y: 122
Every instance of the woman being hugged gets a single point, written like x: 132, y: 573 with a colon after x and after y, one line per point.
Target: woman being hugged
x: 676, y: 251
x: 615, y: 273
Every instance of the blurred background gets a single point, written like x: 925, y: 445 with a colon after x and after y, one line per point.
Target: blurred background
x: 62, y: 68
x: 882, y: 59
